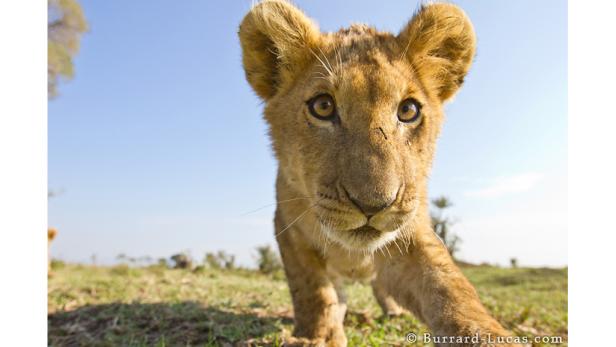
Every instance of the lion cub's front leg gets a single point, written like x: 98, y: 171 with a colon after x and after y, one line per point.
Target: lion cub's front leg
x: 388, y: 304
x: 318, y: 312
x: 426, y: 281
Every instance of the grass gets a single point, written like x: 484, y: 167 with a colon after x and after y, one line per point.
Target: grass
x: 155, y: 306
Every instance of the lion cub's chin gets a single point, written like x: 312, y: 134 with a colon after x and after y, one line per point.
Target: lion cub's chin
x: 364, y: 239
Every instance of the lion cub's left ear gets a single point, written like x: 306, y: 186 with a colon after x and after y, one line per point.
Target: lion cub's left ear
x: 440, y: 43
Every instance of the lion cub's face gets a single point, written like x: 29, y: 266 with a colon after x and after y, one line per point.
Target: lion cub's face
x: 354, y: 115
x: 353, y: 132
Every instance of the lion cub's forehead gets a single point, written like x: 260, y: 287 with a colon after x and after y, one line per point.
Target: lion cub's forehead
x: 363, y: 43
x: 368, y: 64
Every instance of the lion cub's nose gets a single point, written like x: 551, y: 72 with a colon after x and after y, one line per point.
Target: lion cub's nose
x: 371, y: 209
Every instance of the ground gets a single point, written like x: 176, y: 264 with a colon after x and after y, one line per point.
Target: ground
x: 156, y: 306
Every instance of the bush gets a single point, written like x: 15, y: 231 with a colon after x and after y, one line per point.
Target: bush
x: 182, y: 261
x: 162, y: 262
x: 219, y: 260
x: 212, y: 261
x: 123, y: 270
x: 57, y: 264
x: 268, y: 260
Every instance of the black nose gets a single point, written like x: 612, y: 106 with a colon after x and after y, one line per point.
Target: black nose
x: 371, y: 209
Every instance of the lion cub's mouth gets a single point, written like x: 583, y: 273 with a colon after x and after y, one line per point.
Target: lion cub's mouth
x: 364, y: 238
x: 366, y: 232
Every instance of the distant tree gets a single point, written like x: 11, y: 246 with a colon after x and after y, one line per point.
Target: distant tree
x: 227, y: 260
x: 53, y: 194
x: 442, y: 224
x: 514, y: 262
x: 268, y: 260
x: 162, y: 262
x: 145, y: 260
x: 122, y: 258
x: 65, y: 25
x: 181, y: 261
x: 219, y: 260
x: 212, y: 261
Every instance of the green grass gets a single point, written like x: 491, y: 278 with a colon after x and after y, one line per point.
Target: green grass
x: 154, y: 306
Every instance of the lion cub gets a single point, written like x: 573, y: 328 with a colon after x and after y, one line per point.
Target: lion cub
x: 354, y: 116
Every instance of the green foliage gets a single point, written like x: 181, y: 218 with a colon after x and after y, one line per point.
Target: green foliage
x: 162, y: 262
x: 442, y: 225
x: 56, y: 264
x: 219, y: 260
x: 442, y: 203
x: 182, y: 261
x: 65, y: 25
x: 268, y: 260
x: 123, y: 270
x: 514, y: 262
x: 212, y: 261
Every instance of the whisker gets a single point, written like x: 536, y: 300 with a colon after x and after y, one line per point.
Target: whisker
x: 322, y: 63
x: 339, y: 59
x: 298, y: 218
x: 320, y: 75
x: 327, y: 60
x: 410, y: 235
x: 396, y: 243
x: 387, y: 249
x: 314, y: 228
x: 276, y: 203
x: 324, y: 240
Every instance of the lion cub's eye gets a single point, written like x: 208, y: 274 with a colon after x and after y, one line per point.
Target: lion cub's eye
x: 409, y: 111
x: 322, y: 107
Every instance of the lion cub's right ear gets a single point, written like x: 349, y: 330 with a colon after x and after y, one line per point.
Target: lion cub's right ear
x: 277, y: 39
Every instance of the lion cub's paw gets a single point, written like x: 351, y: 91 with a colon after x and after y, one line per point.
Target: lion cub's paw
x: 337, y: 338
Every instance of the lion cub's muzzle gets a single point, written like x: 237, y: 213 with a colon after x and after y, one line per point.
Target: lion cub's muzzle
x: 361, y: 223
x: 373, y: 206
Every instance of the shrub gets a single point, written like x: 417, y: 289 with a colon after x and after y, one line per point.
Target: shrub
x: 268, y: 260
x: 162, y: 262
x: 57, y: 264
x: 211, y: 261
x: 122, y: 270
x: 219, y: 260
x: 514, y: 262
x: 182, y: 261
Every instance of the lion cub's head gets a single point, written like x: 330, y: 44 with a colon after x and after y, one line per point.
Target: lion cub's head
x: 354, y: 115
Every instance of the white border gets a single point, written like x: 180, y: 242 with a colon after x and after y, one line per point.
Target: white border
x: 591, y: 172
x: 23, y: 173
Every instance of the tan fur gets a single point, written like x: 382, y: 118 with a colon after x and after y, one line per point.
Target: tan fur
x: 331, y: 172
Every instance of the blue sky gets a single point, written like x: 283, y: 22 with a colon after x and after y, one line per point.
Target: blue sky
x: 158, y: 144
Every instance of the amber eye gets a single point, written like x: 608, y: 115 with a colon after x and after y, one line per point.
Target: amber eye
x: 322, y: 107
x: 409, y: 111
